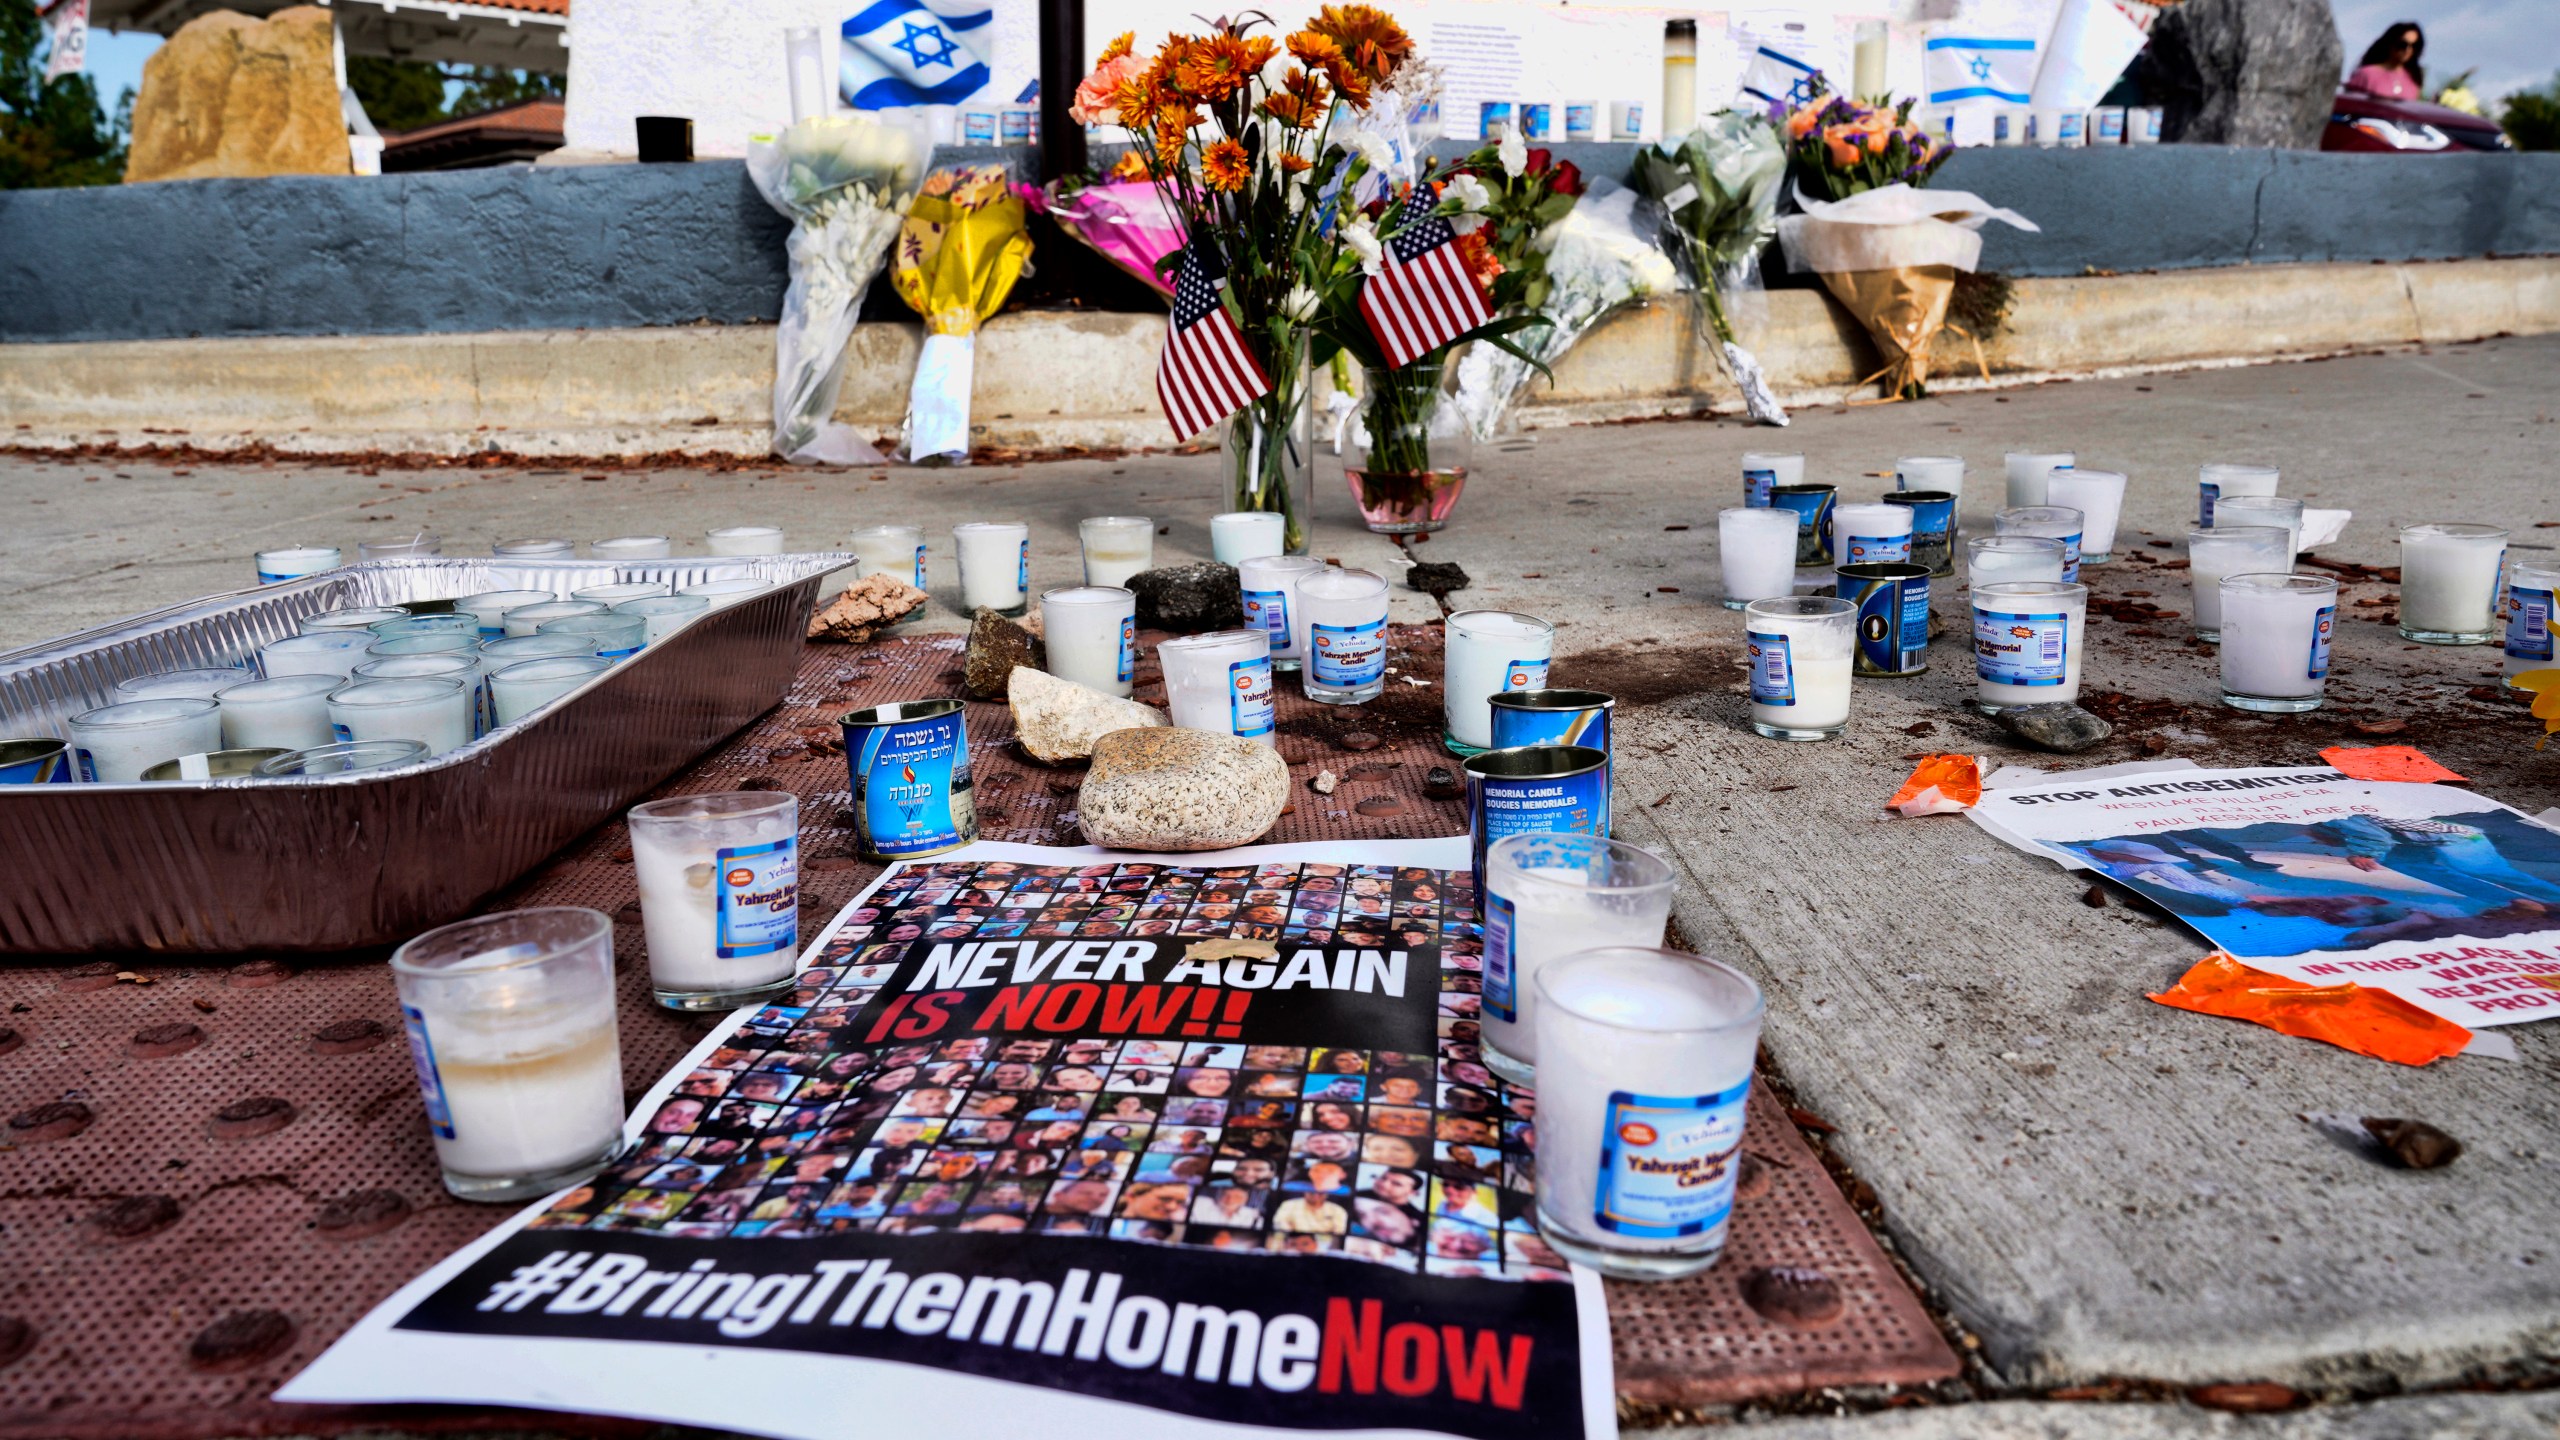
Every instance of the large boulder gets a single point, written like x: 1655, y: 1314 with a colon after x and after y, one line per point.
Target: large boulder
x: 2246, y: 72
x: 1181, y: 790
x: 232, y: 96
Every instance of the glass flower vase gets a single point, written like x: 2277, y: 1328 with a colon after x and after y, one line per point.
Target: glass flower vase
x: 1409, y: 451
x: 1270, y: 450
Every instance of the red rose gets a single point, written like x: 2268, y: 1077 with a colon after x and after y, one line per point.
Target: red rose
x: 1538, y: 160
x: 1567, y: 180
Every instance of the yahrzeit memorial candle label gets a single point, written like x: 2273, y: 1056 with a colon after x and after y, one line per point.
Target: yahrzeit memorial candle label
x: 2528, y: 618
x: 1874, y: 534
x: 719, y: 882
x: 1269, y: 586
x: 1092, y: 635
x: 1221, y: 682
x: 1490, y: 652
x: 2027, y: 642
x: 1545, y: 897
x: 1763, y: 472
x: 292, y: 562
x: 2276, y: 632
x: 2213, y: 481
x: 1800, y: 649
x: 995, y: 566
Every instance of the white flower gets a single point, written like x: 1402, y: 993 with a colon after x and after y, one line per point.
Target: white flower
x: 1374, y: 149
x: 1466, y: 224
x: 1468, y: 194
x: 1299, y: 304
x: 1514, y: 152
x: 1364, y: 243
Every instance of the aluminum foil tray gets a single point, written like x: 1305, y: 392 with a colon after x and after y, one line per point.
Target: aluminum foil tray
x: 351, y: 861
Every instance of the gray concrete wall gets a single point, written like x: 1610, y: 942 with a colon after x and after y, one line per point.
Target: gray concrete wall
x: 619, y: 246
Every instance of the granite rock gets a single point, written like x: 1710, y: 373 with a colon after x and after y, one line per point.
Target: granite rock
x: 232, y: 96
x: 2062, y: 728
x: 1188, y: 599
x: 996, y: 647
x: 1060, y: 720
x: 867, y: 607
x: 1181, y: 790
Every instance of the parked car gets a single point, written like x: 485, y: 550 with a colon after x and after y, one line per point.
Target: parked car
x: 2366, y: 123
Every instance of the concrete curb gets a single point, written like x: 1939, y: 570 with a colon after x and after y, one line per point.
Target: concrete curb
x: 1053, y: 380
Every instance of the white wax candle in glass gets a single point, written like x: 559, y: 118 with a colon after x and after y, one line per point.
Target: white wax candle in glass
x: 526, y: 619
x: 2027, y: 640
x: 724, y: 593
x: 1756, y: 550
x: 611, y: 595
x: 746, y: 540
x: 2218, y: 478
x: 291, y: 712
x: 116, y: 743
x: 467, y: 626
x: 615, y: 637
x: 2026, y: 470
x: 632, y: 547
x: 1221, y: 682
x: 543, y: 548
x: 1116, y: 547
x: 1644, y: 1072
x: 2221, y: 550
x: 995, y: 566
x: 2053, y: 522
x: 1763, y: 470
x: 201, y: 684
x: 1878, y: 534
x: 1800, y: 649
x: 360, y: 617
x: 424, y: 545
x: 463, y: 667
x: 2099, y: 497
x: 719, y: 895
x: 435, y: 711
x: 1092, y: 636
x: 1241, y: 535
x: 891, y: 550
x: 292, y: 562
x: 511, y: 1026
x: 341, y: 758
x: 1547, y: 895
x: 2277, y: 510
x: 2276, y: 631
x: 490, y: 608
x: 447, y: 643
x: 1269, y: 586
x: 2449, y: 583
x: 664, y: 614
x: 1930, y: 472
x: 334, y: 652
x: 526, y: 686
x: 1345, y: 614
x: 1489, y: 653
x: 2531, y: 586
x: 497, y: 655
x: 1990, y: 558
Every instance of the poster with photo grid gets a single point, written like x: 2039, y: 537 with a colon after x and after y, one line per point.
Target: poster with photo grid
x: 1201, y: 1144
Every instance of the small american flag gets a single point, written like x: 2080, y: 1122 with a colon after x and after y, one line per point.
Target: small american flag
x: 1206, y: 372
x: 1424, y: 298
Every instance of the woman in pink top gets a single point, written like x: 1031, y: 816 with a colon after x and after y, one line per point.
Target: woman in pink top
x: 2391, y: 70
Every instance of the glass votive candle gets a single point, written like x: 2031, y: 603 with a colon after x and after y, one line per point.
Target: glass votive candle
x: 490, y: 608
x: 632, y: 547
x: 1990, y: 558
x: 214, y: 765
x: 115, y: 743
x: 1547, y: 895
x: 341, y: 758
x: 1221, y: 682
x: 724, y: 593
x: 1877, y: 534
x: 362, y: 617
x: 2222, y: 550
x: 609, y: 596
x: 614, y: 637
x: 1930, y: 472
x: 1241, y: 535
x: 497, y: 655
x: 719, y: 895
x: 2217, y: 479
x: 1756, y: 550
x: 2026, y: 470
x: 425, y: 545
x: 201, y: 684
x: 526, y: 686
x: 1116, y: 547
x: 1489, y: 653
x: 2027, y: 639
x: 2277, y: 510
x: 290, y: 712
x: 463, y: 667
x: 526, y: 619
x: 2530, y: 588
x: 746, y: 540
x: 435, y: 711
x: 292, y: 562
x: 434, y: 643
x: 1644, y: 1073
x: 543, y: 548
x: 1092, y: 635
x: 664, y: 614
x: 2099, y: 497
x: 455, y: 623
x: 995, y: 566
x: 1345, y: 614
x: 1763, y: 471
x: 1269, y: 586
x: 1800, y: 648
x: 2275, y: 641
x: 890, y: 550
x: 2053, y: 522
x: 2449, y: 582
x: 511, y: 1025
x: 330, y: 652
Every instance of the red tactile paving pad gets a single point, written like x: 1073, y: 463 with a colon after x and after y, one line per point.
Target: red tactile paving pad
x: 207, y: 1173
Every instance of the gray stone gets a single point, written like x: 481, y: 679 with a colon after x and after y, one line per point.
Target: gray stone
x: 2247, y: 72
x: 1059, y: 720
x: 996, y: 647
x: 1188, y: 599
x: 1181, y: 790
x: 2064, y: 729
x: 1437, y: 579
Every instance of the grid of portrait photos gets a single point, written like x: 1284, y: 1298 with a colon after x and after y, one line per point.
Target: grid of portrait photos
x: 1415, y: 1159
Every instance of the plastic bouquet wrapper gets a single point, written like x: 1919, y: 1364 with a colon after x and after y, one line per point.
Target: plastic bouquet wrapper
x: 1600, y: 256
x: 1940, y: 785
x: 844, y: 181
x: 960, y: 251
x: 2349, y: 1016
x: 1890, y: 255
x: 1125, y: 221
x: 1719, y: 187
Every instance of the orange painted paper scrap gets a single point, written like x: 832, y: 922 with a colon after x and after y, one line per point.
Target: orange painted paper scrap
x: 2349, y: 1016
x: 2386, y: 762
x: 1942, y: 785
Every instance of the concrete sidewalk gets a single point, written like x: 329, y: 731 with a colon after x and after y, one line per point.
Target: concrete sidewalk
x: 2093, y: 1185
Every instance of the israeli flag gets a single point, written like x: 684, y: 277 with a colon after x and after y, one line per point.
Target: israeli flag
x: 2001, y: 69
x: 1775, y: 77
x: 910, y: 52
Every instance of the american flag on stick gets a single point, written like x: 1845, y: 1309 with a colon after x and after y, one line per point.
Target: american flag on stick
x: 1423, y: 298
x: 1206, y: 373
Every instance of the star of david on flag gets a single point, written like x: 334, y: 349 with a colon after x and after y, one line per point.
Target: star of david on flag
x: 911, y: 52
x: 1996, y: 68
x: 1775, y: 77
